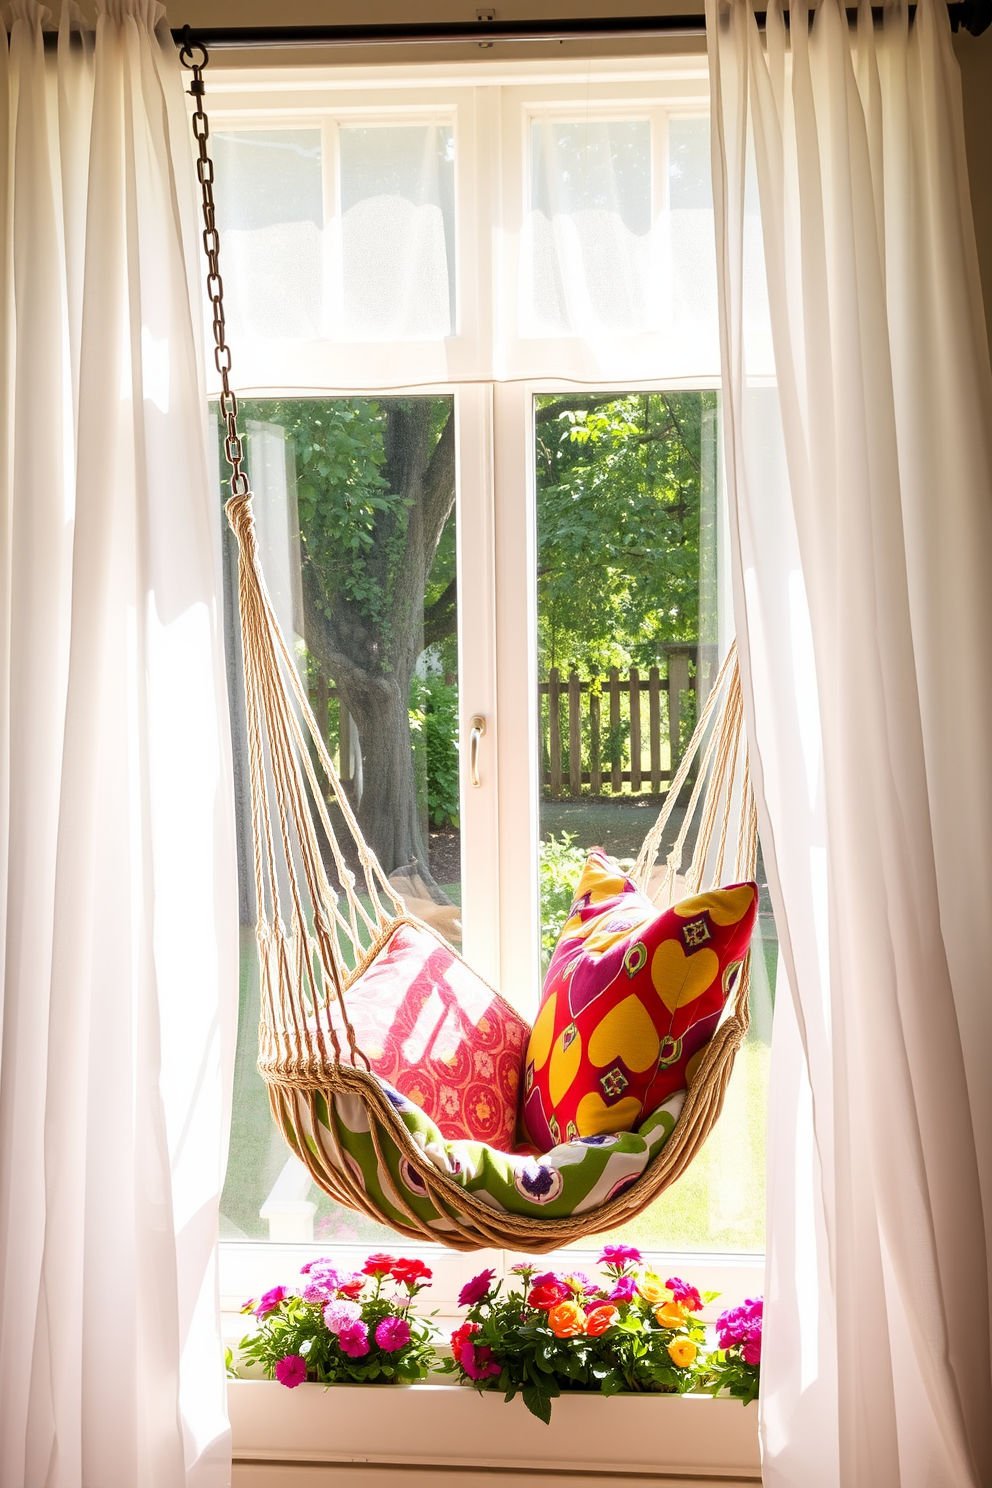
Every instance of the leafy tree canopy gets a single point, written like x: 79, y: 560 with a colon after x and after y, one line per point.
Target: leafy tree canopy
x: 618, y: 520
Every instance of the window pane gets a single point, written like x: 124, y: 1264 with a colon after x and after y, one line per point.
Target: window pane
x: 690, y: 199
x: 626, y: 490
x: 356, y: 525
x: 398, y: 230
x: 270, y: 211
x: 588, y: 230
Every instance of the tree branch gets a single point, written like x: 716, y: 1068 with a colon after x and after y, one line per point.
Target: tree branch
x: 439, y: 487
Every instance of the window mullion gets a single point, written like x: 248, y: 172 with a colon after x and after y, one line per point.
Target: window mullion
x: 516, y: 663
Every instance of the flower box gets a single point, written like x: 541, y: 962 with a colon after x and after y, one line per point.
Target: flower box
x: 451, y: 1426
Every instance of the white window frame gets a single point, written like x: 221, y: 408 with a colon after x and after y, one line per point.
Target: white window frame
x: 496, y: 526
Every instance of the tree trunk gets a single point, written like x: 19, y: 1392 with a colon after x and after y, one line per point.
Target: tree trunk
x: 389, y: 814
x: 372, y: 662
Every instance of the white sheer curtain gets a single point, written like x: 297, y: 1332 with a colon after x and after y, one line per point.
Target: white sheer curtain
x: 863, y: 542
x: 116, y: 836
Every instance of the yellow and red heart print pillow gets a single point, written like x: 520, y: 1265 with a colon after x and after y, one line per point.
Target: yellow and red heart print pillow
x: 632, y: 995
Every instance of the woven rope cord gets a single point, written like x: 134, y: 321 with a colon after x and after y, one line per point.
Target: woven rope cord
x: 312, y: 948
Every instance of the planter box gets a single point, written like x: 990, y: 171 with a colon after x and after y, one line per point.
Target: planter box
x: 343, y: 1434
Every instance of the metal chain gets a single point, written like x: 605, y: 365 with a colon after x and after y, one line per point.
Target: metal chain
x: 233, y: 448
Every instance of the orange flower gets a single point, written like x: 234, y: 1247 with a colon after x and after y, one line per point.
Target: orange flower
x: 598, y: 1319
x: 567, y: 1320
x: 652, y: 1291
x: 682, y: 1351
x: 671, y: 1315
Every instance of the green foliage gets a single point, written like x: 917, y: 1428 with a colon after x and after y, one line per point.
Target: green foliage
x: 559, y: 866
x: 522, y: 1343
x: 618, y: 497
x: 434, y: 715
x: 353, y: 526
x: 727, y: 1374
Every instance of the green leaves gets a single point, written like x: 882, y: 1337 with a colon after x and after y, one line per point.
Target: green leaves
x: 618, y: 496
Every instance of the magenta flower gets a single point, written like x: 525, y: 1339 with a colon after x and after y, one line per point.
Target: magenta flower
x: 354, y: 1340
x: 682, y: 1292
x: 392, y: 1333
x: 271, y: 1300
x: 741, y: 1326
x: 341, y: 1315
x: 476, y: 1289
x: 625, y: 1290
x: 546, y: 1278
x: 619, y: 1257
x: 291, y: 1371
x: 477, y: 1360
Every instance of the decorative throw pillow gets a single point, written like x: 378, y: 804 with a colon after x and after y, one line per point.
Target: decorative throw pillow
x: 632, y: 995
x: 438, y: 1033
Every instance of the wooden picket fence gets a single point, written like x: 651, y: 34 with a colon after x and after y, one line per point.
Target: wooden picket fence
x: 619, y: 750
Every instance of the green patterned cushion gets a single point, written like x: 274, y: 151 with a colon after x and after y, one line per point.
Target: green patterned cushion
x: 574, y: 1177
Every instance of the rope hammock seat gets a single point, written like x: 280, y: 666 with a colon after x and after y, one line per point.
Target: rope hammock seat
x: 365, y: 1145
x: 315, y: 942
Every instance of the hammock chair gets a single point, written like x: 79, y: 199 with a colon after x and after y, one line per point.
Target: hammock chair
x: 367, y: 1147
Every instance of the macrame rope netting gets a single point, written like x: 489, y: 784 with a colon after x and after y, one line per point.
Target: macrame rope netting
x: 315, y: 941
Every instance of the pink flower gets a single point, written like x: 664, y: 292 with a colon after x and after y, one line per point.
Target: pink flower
x: 741, y: 1326
x: 392, y: 1333
x: 619, y: 1257
x: 624, y: 1291
x: 354, y: 1340
x: 341, y: 1315
x: 323, y: 1264
x: 476, y: 1289
x: 326, y: 1282
x: 682, y: 1292
x: 271, y: 1300
x: 477, y: 1360
x: 291, y: 1371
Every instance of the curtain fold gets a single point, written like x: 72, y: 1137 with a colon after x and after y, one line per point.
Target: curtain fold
x: 859, y: 488
x: 118, y: 843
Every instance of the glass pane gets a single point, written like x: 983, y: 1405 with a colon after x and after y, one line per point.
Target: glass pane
x: 587, y: 234
x: 626, y: 497
x: 355, y: 510
x: 690, y: 199
x: 270, y: 210
x: 398, y: 231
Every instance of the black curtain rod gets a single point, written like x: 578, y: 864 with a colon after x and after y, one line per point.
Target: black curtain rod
x: 973, y: 16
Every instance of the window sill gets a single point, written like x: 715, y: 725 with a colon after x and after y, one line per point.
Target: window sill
x: 455, y: 1429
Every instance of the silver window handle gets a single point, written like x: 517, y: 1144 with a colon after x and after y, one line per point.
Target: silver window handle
x: 478, y: 728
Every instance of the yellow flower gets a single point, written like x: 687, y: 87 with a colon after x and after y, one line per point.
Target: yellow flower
x: 567, y: 1320
x: 652, y: 1291
x: 670, y: 1315
x: 682, y: 1351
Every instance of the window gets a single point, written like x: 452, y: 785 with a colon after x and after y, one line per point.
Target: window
x: 473, y: 323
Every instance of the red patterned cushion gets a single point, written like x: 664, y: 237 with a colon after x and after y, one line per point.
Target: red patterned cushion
x: 441, y: 1036
x: 631, y: 996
